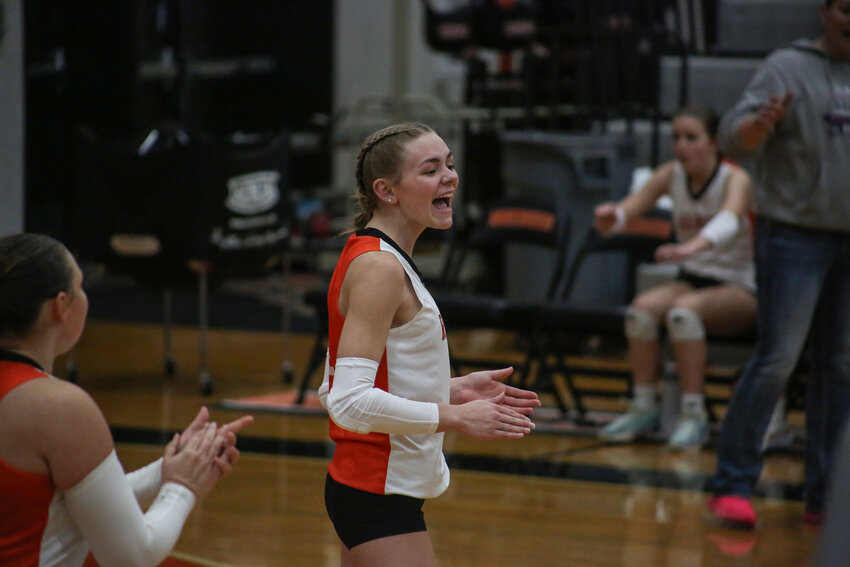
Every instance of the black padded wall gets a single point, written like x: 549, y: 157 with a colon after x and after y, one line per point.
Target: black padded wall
x: 214, y: 67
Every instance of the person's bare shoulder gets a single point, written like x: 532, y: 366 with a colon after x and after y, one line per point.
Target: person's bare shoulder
x: 377, y: 271
x: 374, y: 287
x: 62, y: 424
x: 378, y: 260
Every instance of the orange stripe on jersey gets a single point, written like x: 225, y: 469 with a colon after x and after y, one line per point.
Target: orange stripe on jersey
x: 360, y: 460
x: 24, y: 496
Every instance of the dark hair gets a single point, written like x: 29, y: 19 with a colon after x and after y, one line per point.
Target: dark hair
x: 381, y: 156
x: 705, y: 114
x: 33, y: 269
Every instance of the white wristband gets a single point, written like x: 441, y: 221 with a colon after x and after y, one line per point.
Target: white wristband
x: 354, y: 403
x: 620, y: 222
x: 721, y: 228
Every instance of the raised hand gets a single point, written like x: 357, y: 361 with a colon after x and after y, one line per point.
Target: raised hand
x: 774, y: 109
x: 195, y: 465
x: 229, y: 454
x: 197, y: 425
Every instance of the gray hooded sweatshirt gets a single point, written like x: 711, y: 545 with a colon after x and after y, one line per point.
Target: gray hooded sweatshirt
x: 802, y: 171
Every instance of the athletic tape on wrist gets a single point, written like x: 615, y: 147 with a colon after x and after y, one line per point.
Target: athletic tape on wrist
x: 620, y: 222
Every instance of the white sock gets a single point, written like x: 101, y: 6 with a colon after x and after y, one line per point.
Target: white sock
x: 644, y: 397
x: 693, y: 404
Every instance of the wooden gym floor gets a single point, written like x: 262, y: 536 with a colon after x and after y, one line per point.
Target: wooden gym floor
x: 552, y: 499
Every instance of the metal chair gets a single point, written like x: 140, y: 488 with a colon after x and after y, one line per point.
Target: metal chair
x: 520, y: 227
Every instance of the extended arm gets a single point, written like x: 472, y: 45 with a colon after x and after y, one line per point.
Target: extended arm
x: 371, y: 296
x: 753, y: 129
x: 722, y: 227
x: 748, y: 125
x: 612, y: 217
x: 374, y: 297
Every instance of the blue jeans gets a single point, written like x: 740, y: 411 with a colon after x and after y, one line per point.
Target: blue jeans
x: 803, y: 281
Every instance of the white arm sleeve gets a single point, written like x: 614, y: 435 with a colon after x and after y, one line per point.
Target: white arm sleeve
x: 146, y: 482
x: 326, y: 383
x: 721, y: 228
x: 105, y: 510
x: 355, y: 404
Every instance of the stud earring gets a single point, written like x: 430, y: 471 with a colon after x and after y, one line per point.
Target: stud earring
x: 389, y: 199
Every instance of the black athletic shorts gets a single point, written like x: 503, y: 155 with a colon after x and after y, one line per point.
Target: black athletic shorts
x: 698, y: 282
x: 359, y: 516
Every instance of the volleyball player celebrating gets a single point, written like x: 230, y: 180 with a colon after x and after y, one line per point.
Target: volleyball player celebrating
x: 388, y: 387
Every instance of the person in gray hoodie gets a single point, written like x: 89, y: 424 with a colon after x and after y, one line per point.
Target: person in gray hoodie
x: 793, y: 124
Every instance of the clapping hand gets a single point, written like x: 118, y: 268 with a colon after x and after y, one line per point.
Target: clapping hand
x: 229, y: 454
x: 195, y: 463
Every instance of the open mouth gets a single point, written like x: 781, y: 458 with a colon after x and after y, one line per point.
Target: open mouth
x: 444, y: 202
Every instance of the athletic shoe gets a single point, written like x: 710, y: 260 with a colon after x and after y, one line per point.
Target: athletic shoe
x: 733, y: 509
x: 630, y: 425
x: 691, y: 431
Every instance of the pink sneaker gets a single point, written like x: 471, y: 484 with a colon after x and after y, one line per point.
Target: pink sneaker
x: 734, y: 543
x: 733, y: 509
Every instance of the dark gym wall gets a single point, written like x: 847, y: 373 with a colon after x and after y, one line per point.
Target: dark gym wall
x: 213, y: 66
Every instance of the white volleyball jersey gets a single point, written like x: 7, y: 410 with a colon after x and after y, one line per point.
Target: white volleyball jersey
x: 415, y: 365
x: 731, y: 262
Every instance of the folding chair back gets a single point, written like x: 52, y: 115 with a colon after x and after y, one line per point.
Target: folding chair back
x: 638, y: 241
x: 513, y: 225
x: 566, y: 320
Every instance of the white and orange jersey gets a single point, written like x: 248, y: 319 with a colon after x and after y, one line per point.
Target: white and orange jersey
x: 415, y: 366
x: 35, y: 527
x: 731, y: 262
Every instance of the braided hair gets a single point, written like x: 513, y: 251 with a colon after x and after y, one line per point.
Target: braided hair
x: 381, y: 156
